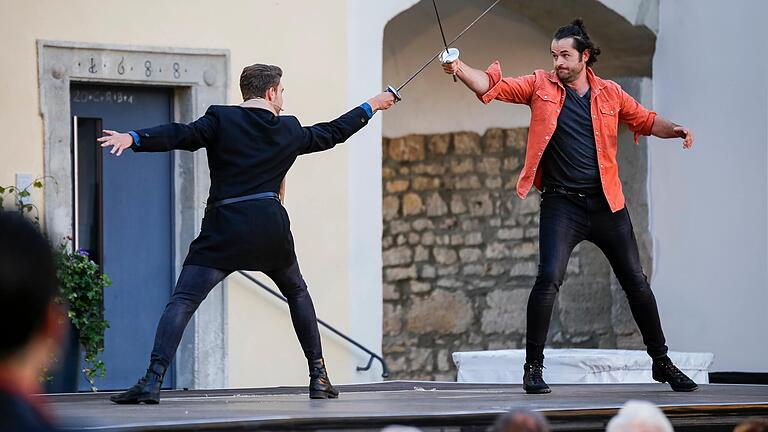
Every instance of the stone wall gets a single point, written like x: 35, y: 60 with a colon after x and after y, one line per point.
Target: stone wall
x: 460, y: 255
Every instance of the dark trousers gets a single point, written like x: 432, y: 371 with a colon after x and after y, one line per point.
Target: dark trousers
x: 566, y: 220
x: 194, y: 284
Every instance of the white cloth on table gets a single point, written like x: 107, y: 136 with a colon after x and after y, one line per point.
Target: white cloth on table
x: 571, y: 366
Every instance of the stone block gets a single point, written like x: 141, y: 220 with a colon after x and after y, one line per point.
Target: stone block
x: 395, y: 274
x: 481, y: 205
x: 397, y: 256
x: 510, y: 234
x: 466, y: 143
x: 506, y: 311
x: 497, y: 250
x: 412, y: 204
x: 457, y: 205
x: 467, y: 182
x: 396, y: 186
x: 442, y: 312
x: 390, y: 292
x: 390, y: 207
x: 407, y: 149
x: 422, y: 183
x: 445, y: 256
x: 420, y: 287
x: 462, y: 166
x: 468, y: 255
x: 493, y: 140
x: 435, y: 205
x: 439, y: 145
x: 392, y: 325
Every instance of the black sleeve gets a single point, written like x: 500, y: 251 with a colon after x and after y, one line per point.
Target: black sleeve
x: 178, y: 136
x: 324, y: 136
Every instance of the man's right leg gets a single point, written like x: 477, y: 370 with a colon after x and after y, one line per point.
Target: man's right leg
x: 194, y: 284
x: 562, y: 226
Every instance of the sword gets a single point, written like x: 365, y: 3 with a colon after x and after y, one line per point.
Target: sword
x: 442, y: 33
x: 396, y: 91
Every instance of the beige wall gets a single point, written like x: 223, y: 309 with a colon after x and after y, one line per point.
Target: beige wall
x: 313, y: 55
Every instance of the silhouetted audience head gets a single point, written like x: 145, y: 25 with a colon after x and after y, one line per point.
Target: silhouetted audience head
x: 639, y: 416
x: 30, y: 322
x: 753, y: 425
x: 521, y: 421
x: 27, y: 283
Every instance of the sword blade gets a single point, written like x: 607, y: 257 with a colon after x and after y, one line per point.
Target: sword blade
x: 450, y: 43
x: 442, y: 33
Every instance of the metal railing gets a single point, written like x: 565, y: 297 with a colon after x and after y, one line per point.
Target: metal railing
x: 373, y: 355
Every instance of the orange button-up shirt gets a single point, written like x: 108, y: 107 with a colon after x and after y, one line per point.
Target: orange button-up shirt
x: 545, y: 94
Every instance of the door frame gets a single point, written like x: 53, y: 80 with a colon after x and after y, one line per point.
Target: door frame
x: 199, y: 78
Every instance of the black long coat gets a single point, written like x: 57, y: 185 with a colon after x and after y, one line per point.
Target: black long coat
x: 249, y: 150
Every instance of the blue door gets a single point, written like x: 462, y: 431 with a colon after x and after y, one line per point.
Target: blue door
x: 134, y: 213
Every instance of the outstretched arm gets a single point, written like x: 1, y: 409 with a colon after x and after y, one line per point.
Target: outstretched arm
x: 489, y: 85
x: 324, y: 136
x: 173, y: 136
x: 663, y: 128
x: 642, y: 121
x: 475, y: 79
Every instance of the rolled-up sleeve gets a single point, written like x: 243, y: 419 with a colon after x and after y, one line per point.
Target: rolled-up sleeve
x: 635, y: 116
x: 514, y: 90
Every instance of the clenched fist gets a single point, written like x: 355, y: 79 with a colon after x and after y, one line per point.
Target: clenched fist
x: 382, y: 101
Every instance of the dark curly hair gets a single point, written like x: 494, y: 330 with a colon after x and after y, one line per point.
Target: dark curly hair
x: 581, y: 40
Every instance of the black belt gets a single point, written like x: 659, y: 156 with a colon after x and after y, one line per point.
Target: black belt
x: 252, y: 197
x: 564, y: 191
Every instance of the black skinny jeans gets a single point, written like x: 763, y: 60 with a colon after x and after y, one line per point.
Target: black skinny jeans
x: 566, y: 220
x: 194, y: 284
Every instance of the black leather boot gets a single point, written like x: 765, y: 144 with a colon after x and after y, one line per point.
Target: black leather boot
x: 147, y: 390
x: 665, y: 371
x: 319, y: 384
x: 533, y: 380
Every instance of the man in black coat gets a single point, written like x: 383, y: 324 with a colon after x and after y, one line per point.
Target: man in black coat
x: 250, y: 148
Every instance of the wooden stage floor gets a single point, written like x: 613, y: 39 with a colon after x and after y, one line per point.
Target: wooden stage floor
x: 429, y: 405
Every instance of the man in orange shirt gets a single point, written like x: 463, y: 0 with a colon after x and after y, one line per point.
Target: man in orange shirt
x: 571, y: 158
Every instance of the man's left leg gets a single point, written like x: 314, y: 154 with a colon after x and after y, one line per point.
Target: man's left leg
x: 291, y: 284
x: 614, y: 235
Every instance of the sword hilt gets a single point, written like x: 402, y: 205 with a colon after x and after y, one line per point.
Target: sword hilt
x: 449, y: 56
x: 395, y: 93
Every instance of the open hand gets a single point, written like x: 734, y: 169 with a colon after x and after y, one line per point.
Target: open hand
x: 118, y: 141
x: 686, y: 134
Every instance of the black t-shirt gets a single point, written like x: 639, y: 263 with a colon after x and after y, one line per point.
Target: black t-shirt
x: 570, y: 160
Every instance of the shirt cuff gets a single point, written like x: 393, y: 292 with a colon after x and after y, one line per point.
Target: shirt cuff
x: 647, y: 127
x: 136, y: 138
x: 367, y: 108
x: 494, y: 79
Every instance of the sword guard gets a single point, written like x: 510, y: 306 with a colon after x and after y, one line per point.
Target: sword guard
x: 449, y: 56
x: 395, y: 93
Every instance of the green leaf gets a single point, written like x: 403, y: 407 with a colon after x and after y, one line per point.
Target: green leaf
x: 38, y: 184
x: 24, y: 194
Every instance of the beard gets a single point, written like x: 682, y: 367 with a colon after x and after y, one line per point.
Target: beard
x: 570, y: 74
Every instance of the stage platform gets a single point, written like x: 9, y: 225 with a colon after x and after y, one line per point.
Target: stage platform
x: 429, y: 405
